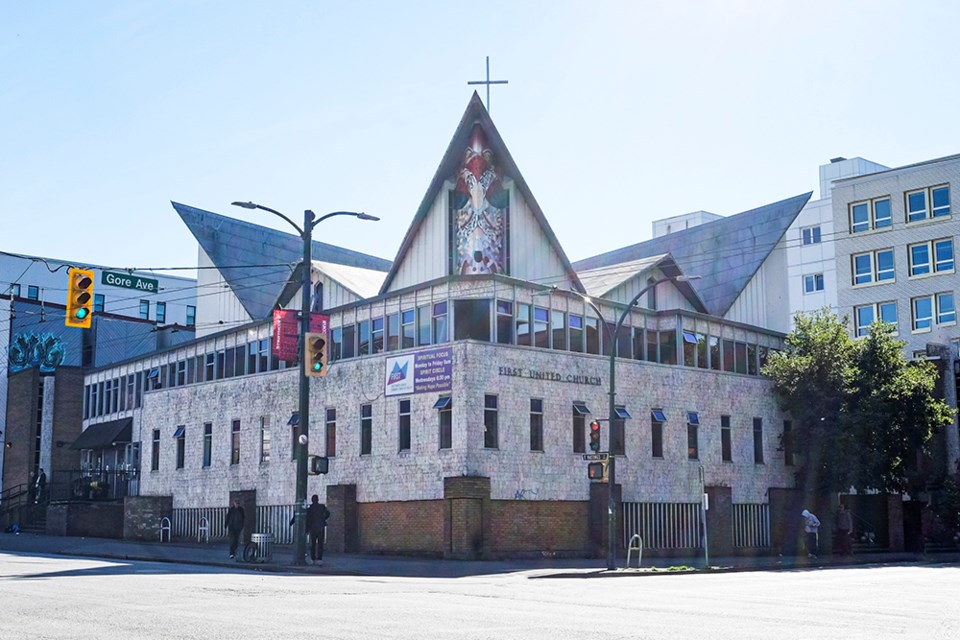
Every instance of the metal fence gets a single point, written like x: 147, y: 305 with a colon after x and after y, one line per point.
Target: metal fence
x: 663, y: 525
x: 273, y: 519
x: 751, y: 525
x: 94, y: 485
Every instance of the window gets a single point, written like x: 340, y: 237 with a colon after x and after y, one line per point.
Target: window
x: 180, y: 436
x: 541, y: 337
x: 424, y: 321
x: 922, y: 313
x: 330, y: 432
x: 15, y: 290
x: 866, y: 315
x: 161, y: 312
x: 787, y: 444
x: 440, y: 334
x: 145, y: 309
x: 592, y: 335
x: 207, y: 443
x: 726, y: 450
x: 918, y: 201
x: 810, y: 235
x: 871, y: 214
x: 490, y: 421
x: 191, y: 315
x: 408, y: 329
x: 98, y: 302
x: 946, y: 312
x: 813, y: 283
x: 366, y: 429
x: 693, y: 447
x: 580, y: 410
x: 943, y: 255
x: 235, y: 442
x: 393, y: 332
x: 504, y: 322
x: 471, y: 320
x: 875, y: 266
x: 758, y: 440
x: 264, y: 439
x: 523, y: 325
x: 920, y: 257
x: 558, y: 329
x: 155, y: 451
x: 576, y: 333
x: 376, y: 330
x: 536, y: 424
x: 33, y: 292
x: 445, y: 413
x: 363, y: 334
x: 656, y: 432
x: 404, y: 427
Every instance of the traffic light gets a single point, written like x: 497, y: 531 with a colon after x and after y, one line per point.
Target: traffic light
x: 79, y: 298
x: 315, y: 361
x: 595, y: 436
x: 596, y: 470
x: 318, y: 465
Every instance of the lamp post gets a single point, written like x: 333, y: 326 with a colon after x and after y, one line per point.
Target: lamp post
x: 306, y: 234
x: 611, y: 464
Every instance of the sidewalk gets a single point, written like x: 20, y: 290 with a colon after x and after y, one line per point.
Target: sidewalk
x: 215, y: 554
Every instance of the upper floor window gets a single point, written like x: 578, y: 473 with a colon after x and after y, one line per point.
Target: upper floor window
x: 813, y: 283
x: 33, y: 292
x: 145, y: 309
x: 935, y: 256
x: 191, y: 315
x: 937, y: 308
x: 932, y: 202
x: 161, y: 312
x: 98, y: 302
x: 810, y: 235
x: 870, y: 214
x: 874, y: 266
x: 866, y: 315
x: 15, y: 290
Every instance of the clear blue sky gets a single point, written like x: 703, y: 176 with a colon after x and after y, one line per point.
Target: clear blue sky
x: 617, y: 113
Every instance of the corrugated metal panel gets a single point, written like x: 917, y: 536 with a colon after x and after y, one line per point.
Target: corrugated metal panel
x: 532, y: 256
x: 218, y: 307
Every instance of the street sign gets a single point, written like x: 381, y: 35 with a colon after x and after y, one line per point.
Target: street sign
x: 593, y: 457
x: 127, y: 281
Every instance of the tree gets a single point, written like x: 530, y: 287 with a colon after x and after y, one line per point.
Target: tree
x: 860, y: 411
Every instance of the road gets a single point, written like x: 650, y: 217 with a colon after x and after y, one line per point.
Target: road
x: 59, y: 597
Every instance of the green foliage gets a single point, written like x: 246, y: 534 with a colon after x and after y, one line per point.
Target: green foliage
x: 860, y: 411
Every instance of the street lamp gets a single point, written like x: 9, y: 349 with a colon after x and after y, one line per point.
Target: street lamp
x: 611, y: 466
x: 305, y: 233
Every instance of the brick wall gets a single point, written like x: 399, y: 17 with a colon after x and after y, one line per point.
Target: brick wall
x: 67, y: 423
x: 533, y: 526
x: 87, y: 519
x: 142, y: 514
x: 413, y: 527
x: 20, y: 428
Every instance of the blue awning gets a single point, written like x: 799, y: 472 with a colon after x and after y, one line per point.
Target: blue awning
x: 622, y: 413
x: 581, y: 409
x: 692, y: 417
x: 179, y: 432
x: 294, y: 419
x: 443, y: 402
x: 657, y: 415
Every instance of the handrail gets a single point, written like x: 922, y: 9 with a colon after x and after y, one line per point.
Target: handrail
x: 639, y: 549
x: 165, y: 527
x: 203, y: 530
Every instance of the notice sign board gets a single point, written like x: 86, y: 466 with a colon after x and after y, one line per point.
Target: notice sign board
x: 127, y: 281
x: 421, y: 372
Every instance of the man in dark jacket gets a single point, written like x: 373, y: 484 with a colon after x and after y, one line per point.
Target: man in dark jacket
x: 234, y: 526
x: 317, y: 515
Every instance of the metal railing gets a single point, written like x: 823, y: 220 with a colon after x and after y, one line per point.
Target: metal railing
x: 663, y: 525
x: 751, y: 525
x: 94, y: 486
x: 274, y: 519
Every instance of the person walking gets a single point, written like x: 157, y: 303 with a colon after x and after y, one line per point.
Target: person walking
x: 844, y: 531
x: 317, y: 515
x: 811, y: 524
x: 40, y: 488
x: 234, y: 526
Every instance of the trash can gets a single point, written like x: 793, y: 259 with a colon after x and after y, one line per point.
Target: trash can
x: 263, y: 546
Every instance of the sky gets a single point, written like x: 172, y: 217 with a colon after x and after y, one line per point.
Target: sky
x: 617, y: 113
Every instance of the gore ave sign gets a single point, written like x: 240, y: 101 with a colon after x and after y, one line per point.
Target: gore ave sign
x: 594, y: 457
x: 127, y: 281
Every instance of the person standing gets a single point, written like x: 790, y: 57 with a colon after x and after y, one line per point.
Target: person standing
x: 234, y: 526
x: 40, y: 488
x: 317, y: 515
x: 811, y: 524
x: 844, y: 531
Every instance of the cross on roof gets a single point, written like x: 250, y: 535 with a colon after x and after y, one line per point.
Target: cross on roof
x: 488, y: 82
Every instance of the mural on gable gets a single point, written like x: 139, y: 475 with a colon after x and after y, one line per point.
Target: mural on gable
x: 43, y: 350
x: 479, y: 212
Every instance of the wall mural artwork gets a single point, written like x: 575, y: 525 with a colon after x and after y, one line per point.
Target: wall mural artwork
x: 28, y: 350
x: 479, y: 208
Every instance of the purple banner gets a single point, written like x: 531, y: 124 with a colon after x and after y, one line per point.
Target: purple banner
x: 429, y: 371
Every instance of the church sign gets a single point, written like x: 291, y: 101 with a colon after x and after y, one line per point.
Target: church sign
x: 553, y: 376
x: 425, y: 371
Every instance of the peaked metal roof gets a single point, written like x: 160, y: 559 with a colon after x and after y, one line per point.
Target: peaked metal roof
x: 476, y: 113
x: 725, y: 253
x: 241, y: 251
x: 363, y: 283
x: 599, y: 282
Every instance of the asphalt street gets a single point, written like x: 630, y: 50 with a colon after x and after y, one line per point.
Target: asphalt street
x: 48, y: 596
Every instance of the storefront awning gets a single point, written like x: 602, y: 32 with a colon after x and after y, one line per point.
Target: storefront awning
x: 105, y: 434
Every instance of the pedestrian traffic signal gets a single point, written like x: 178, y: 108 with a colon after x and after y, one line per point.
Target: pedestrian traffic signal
x: 318, y: 465
x: 315, y: 360
x: 79, y: 298
x: 595, y: 436
x: 596, y: 470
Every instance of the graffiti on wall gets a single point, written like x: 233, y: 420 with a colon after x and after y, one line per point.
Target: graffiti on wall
x: 479, y: 210
x: 28, y: 350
